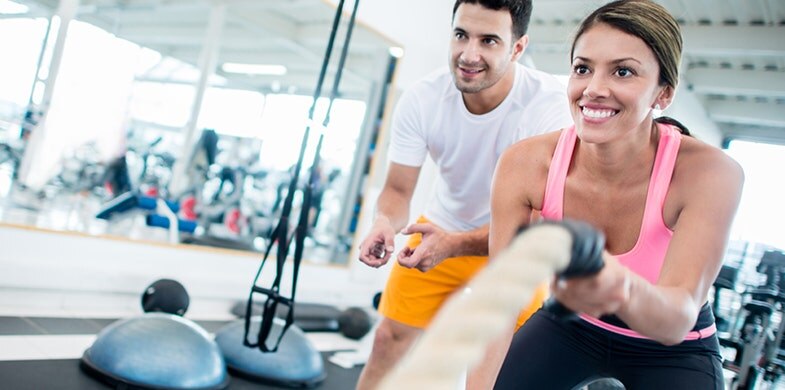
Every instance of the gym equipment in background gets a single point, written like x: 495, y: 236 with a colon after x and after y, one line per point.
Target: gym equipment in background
x: 151, y: 168
x: 158, y: 213
x: 309, y: 317
x: 726, y: 280
x: 297, y: 363
x: 377, y: 298
x: 157, y: 350
x: 11, y: 154
x: 355, y: 323
x: 165, y: 295
x: 756, y: 334
x: 259, y: 362
x: 468, y: 322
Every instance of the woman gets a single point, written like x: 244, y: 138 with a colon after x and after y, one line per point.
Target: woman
x: 664, y: 200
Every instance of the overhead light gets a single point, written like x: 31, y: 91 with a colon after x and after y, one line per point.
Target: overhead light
x: 12, y: 8
x: 396, y: 51
x: 271, y: 70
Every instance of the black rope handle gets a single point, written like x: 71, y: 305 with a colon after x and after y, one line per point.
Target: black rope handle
x: 588, y: 244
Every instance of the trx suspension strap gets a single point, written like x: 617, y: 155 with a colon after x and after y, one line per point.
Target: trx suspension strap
x: 303, y: 223
x: 280, y: 235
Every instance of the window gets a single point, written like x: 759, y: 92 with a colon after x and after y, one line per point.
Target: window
x: 761, y: 213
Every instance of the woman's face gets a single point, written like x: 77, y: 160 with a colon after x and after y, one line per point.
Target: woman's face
x: 613, y: 85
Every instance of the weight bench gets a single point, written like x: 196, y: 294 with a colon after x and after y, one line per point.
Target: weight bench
x: 161, y: 213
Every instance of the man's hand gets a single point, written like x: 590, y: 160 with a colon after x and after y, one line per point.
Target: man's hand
x: 436, y: 246
x: 378, y: 245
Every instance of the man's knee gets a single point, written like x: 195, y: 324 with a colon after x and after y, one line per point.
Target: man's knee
x: 391, y: 333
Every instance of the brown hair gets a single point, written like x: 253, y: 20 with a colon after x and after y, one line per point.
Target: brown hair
x: 648, y: 21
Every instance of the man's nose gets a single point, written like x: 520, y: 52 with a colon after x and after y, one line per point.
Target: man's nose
x: 471, y: 53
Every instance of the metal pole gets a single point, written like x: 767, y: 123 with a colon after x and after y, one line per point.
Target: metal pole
x: 207, y: 63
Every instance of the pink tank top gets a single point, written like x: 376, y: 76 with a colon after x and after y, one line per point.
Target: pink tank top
x: 648, y: 254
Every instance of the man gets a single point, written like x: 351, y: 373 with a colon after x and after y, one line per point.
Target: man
x: 464, y: 119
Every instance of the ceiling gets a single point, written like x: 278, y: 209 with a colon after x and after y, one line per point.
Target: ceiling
x: 734, y: 57
x: 293, y: 33
x: 734, y: 60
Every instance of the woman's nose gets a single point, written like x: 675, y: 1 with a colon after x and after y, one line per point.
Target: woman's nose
x: 596, y: 87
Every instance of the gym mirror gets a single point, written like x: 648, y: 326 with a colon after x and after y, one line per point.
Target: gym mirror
x: 108, y: 116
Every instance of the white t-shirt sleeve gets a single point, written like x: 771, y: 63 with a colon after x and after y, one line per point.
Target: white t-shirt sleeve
x: 553, y: 113
x: 556, y: 115
x: 407, y: 141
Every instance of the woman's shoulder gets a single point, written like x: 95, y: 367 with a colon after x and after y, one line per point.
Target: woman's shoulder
x: 701, y: 157
x: 531, y: 155
x: 703, y: 166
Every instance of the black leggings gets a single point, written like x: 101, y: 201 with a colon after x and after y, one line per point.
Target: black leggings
x: 549, y: 353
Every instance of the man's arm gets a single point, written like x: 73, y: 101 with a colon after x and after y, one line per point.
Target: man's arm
x: 393, y: 202
x: 438, y: 245
x: 469, y: 243
x: 392, y: 214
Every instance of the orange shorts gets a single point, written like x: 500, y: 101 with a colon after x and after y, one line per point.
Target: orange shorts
x: 413, y: 297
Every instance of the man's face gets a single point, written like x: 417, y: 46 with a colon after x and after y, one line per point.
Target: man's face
x: 482, y: 47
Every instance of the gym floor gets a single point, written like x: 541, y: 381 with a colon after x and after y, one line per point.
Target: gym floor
x: 41, y: 350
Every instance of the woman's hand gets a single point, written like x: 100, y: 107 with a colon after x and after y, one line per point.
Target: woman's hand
x: 604, y: 293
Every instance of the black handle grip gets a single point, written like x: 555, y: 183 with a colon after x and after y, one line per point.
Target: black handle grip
x: 588, y: 244
x: 560, y: 311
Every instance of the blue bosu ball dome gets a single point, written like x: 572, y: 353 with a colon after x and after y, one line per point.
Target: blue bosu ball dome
x: 296, y: 363
x: 157, y: 351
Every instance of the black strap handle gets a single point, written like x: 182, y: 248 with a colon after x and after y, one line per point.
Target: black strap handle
x: 588, y: 244
x: 280, y: 234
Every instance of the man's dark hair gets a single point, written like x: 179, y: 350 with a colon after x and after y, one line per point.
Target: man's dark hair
x: 520, y: 11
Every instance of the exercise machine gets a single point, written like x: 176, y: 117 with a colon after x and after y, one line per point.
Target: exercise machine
x: 756, y: 333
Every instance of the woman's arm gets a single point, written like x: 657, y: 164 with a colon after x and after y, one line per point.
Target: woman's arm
x: 711, y: 186
x: 702, y: 200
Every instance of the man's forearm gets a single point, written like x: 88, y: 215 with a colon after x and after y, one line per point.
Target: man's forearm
x: 393, y: 208
x: 471, y: 243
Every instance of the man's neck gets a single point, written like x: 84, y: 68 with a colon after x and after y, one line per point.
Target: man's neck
x: 487, y: 100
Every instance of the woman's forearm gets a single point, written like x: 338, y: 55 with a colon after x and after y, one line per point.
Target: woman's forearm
x: 665, y: 314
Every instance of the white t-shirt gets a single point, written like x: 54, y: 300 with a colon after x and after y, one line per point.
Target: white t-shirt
x: 431, y: 118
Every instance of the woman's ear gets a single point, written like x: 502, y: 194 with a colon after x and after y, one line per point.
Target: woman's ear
x: 665, y: 98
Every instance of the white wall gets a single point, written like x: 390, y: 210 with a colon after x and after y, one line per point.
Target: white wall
x: 34, y: 261
x: 688, y: 110
x: 421, y: 27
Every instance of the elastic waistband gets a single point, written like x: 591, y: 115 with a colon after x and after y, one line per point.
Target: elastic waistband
x: 692, y: 335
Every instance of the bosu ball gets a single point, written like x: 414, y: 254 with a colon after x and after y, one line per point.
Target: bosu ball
x: 156, y: 351
x: 296, y: 363
x: 159, y: 349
